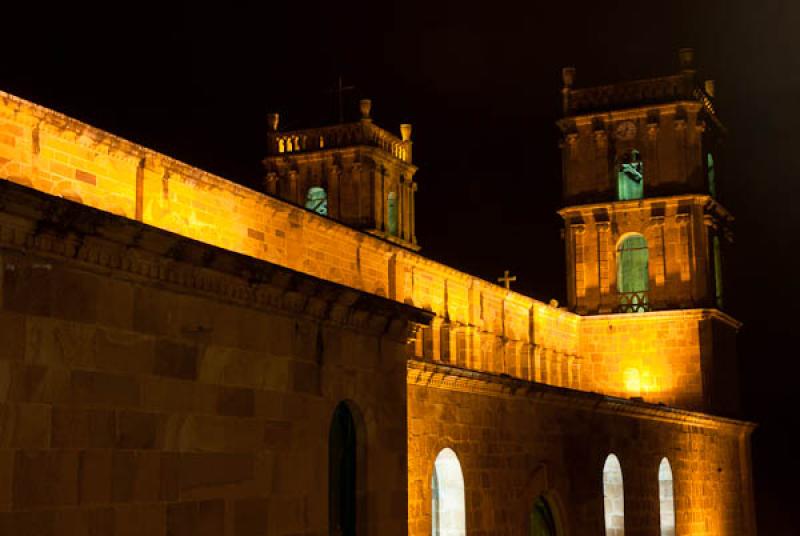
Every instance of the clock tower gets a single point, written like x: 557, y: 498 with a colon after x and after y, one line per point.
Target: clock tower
x: 642, y: 226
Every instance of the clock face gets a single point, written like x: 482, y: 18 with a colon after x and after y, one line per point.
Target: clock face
x: 625, y: 130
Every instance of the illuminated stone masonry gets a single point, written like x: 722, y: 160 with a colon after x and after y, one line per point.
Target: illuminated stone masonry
x: 154, y: 385
x: 203, y: 358
x: 478, y: 325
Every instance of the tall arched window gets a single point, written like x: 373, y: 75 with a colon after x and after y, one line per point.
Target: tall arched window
x: 342, y: 472
x: 613, y: 497
x: 391, y: 209
x: 317, y: 200
x: 630, y: 176
x: 543, y: 521
x: 666, y: 498
x: 633, y: 274
x: 448, y: 510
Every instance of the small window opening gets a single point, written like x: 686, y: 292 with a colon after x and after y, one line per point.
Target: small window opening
x: 448, y: 511
x: 391, y: 205
x: 633, y: 274
x: 630, y: 176
x: 317, y: 200
x: 666, y: 498
x: 613, y: 497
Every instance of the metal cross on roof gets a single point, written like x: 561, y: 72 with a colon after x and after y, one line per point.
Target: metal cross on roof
x: 339, y: 90
x: 507, y: 279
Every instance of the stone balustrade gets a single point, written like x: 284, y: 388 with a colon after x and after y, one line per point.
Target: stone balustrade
x: 338, y: 136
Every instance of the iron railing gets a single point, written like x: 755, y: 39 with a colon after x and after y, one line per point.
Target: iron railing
x: 633, y: 302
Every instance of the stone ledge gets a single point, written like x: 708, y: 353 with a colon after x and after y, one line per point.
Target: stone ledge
x: 441, y: 376
x: 31, y: 221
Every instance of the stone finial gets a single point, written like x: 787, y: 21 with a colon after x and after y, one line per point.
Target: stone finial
x: 710, y: 88
x: 365, y: 105
x: 405, y: 131
x: 568, y: 76
x: 686, y: 56
x: 272, y: 121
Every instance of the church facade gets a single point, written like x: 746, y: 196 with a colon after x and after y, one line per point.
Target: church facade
x: 183, y: 355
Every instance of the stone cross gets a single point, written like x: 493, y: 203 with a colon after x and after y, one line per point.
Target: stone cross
x: 507, y: 279
x: 339, y: 90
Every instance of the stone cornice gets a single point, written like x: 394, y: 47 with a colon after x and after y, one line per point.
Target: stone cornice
x: 696, y: 314
x: 322, y: 155
x: 633, y: 112
x: 448, y: 377
x: 51, y: 227
x: 709, y: 204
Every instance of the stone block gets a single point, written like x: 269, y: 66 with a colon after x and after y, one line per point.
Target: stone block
x: 250, y: 517
x: 25, y: 426
x: 82, y: 428
x: 199, y: 518
x: 6, y: 478
x: 236, y: 402
x: 27, y: 285
x: 45, y: 479
x: 100, y: 388
x: 305, y: 377
x: 35, y: 383
x: 12, y: 336
x: 230, y: 366
x: 77, y: 295
x: 84, y: 522
x: 140, y: 520
x: 41, y: 523
x: 175, y: 360
x: 136, y: 430
x: 59, y: 343
x: 136, y: 476
x: 170, y: 476
x: 278, y: 434
x: 120, y: 351
x: 164, y: 394
x: 115, y: 303
x: 214, y: 472
x: 220, y: 434
x: 94, y: 476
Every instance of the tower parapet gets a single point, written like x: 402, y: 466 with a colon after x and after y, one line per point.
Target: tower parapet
x: 357, y: 173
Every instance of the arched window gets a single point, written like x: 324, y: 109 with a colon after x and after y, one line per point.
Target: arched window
x: 630, y: 176
x: 633, y: 274
x: 613, y: 497
x: 666, y: 498
x: 317, y: 200
x: 448, y: 510
x: 543, y: 521
x: 342, y: 472
x: 391, y: 208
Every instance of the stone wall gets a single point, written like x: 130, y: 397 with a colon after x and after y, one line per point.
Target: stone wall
x: 517, y: 441
x: 153, y: 385
x: 58, y: 155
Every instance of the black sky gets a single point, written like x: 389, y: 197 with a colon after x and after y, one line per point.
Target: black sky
x: 480, y: 83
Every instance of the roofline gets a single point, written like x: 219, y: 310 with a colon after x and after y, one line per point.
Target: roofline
x: 445, y: 376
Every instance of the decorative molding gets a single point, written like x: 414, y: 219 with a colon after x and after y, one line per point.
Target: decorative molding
x: 32, y: 222
x: 454, y: 378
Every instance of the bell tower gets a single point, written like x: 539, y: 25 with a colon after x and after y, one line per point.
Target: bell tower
x: 643, y: 229
x: 356, y: 173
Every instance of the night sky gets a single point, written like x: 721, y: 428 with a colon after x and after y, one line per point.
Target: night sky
x: 480, y: 83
